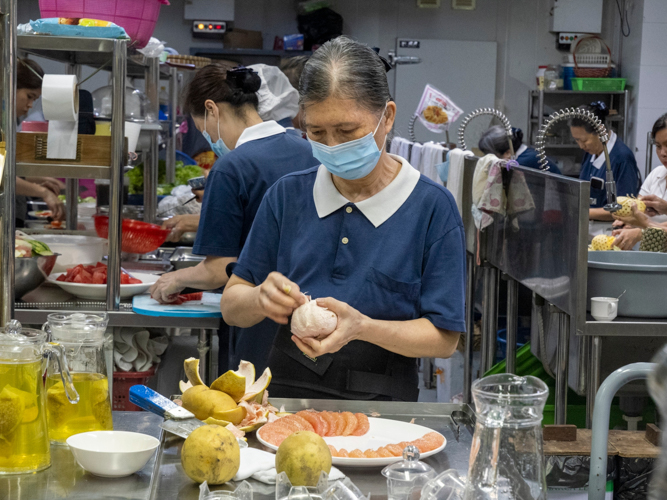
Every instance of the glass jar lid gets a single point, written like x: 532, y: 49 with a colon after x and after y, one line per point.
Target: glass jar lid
x: 18, y: 343
x: 410, y: 468
x: 77, y: 327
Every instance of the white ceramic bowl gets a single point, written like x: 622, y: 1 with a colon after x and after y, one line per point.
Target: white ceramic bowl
x: 99, y: 292
x: 112, y: 453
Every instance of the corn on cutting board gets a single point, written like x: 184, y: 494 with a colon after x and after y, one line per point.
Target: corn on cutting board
x: 207, y: 307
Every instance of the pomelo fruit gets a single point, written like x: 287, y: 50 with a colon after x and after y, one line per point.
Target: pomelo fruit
x: 303, y: 456
x: 211, y: 453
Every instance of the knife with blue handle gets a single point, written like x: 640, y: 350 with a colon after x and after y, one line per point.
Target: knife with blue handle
x: 177, y: 419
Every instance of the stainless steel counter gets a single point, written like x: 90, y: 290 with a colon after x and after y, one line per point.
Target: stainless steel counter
x: 163, y: 478
x: 66, y: 479
x: 169, y: 481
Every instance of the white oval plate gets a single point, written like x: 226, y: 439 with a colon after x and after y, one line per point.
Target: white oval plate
x: 99, y: 292
x: 382, y: 432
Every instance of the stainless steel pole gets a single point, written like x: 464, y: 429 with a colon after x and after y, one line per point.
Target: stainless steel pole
x: 489, y: 318
x: 118, y: 71
x: 593, y: 378
x: 561, y: 372
x: 512, y: 323
x: 649, y: 155
x: 72, y: 185
x: 151, y: 165
x: 204, y: 349
x: 173, y: 114
x: 470, y: 327
x: 8, y: 179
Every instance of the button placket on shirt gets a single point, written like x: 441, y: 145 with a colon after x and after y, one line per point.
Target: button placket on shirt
x: 344, y: 259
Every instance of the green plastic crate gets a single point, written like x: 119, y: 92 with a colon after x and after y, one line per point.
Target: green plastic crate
x: 598, y: 84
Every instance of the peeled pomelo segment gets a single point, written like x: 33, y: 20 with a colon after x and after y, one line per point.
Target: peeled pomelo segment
x: 357, y: 454
x: 343, y: 453
x: 340, y: 424
x: 384, y: 452
x: 363, y: 425
x: 333, y: 450
x: 302, y: 423
x: 330, y: 418
x: 350, y: 423
x: 191, y: 367
x: 314, y: 419
x: 395, y: 450
x: 184, y: 386
x: 371, y: 454
x: 257, y: 389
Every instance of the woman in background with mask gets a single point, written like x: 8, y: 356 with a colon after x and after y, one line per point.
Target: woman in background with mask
x: 252, y: 155
x: 365, y: 234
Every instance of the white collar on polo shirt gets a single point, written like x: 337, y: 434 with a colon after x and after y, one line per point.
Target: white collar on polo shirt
x: 260, y: 131
x: 598, y: 161
x: 521, y: 150
x: 379, y: 207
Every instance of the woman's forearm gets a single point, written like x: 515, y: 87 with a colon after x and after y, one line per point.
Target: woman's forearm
x: 600, y: 214
x: 417, y: 338
x: 25, y: 188
x: 239, y: 303
x: 209, y: 274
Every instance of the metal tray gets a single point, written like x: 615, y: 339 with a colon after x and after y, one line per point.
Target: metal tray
x: 455, y: 421
x: 183, y: 257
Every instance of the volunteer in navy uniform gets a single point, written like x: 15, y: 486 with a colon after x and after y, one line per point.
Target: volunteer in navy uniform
x: 252, y: 155
x: 494, y: 141
x: 623, y: 166
x: 368, y: 236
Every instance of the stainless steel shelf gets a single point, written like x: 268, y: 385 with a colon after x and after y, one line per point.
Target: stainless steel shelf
x: 69, y: 171
x: 93, y: 52
x: 626, y: 327
x: 575, y: 92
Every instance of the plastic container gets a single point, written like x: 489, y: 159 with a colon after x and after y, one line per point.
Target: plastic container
x: 35, y: 126
x: 642, y: 275
x: 75, y: 249
x: 138, y: 237
x: 598, y: 84
x: 138, y: 17
x: 122, y: 381
x: 568, y: 72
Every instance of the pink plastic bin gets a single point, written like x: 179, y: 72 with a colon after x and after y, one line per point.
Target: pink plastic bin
x: 138, y: 17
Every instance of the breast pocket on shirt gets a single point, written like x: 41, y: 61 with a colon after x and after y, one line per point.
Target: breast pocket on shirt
x: 392, y: 298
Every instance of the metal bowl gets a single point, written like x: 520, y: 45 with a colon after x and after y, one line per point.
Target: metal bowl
x: 30, y: 272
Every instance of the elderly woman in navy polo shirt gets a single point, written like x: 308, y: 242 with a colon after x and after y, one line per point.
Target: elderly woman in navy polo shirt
x: 376, y: 242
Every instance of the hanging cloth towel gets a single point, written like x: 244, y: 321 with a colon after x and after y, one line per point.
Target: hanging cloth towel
x: 455, y: 175
x: 400, y: 146
x: 134, y: 350
x: 432, y: 155
x: 416, y: 156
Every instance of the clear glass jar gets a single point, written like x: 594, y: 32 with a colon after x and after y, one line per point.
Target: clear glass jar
x: 24, y: 439
x: 83, y: 339
x: 551, y: 77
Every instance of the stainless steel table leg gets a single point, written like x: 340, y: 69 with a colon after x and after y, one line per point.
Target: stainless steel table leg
x: 489, y: 318
x: 561, y: 372
x: 204, y: 348
x: 470, y: 327
x: 593, y: 378
x: 512, y: 323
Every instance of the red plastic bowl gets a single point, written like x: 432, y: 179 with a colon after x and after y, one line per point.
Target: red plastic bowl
x: 138, y: 237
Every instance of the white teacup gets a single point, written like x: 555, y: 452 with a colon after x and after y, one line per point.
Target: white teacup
x: 604, y: 308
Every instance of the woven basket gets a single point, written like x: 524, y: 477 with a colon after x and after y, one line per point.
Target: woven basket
x: 591, y: 72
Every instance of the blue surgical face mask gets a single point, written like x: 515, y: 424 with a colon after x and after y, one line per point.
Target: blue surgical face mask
x: 219, y: 148
x: 350, y: 160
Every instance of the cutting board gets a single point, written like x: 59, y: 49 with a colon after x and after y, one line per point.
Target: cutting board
x: 208, y: 307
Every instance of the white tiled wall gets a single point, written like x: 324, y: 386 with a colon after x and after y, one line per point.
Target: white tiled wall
x: 645, y: 67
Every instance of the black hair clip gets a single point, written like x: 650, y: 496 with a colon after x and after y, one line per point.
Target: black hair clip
x: 599, y: 105
x: 387, y: 65
x: 237, y: 76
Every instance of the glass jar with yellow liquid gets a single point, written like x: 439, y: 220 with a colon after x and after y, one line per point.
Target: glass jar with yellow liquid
x: 24, y: 439
x: 83, y: 340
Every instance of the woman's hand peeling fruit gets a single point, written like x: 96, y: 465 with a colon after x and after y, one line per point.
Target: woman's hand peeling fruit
x: 313, y: 321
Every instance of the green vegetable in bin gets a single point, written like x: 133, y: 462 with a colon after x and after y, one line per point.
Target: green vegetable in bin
x: 22, y: 240
x: 183, y: 174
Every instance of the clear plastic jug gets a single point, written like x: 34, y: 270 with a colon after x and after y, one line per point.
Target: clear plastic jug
x: 24, y: 439
x: 657, y: 386
x: 83, y: 340
x: 506, y: 458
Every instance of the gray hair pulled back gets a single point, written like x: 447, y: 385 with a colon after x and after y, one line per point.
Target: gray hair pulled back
x: 345, y: 69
